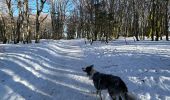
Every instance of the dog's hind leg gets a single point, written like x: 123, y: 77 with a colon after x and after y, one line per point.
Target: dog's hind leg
x: 128, y: 96
x: 125, y: 96
x: 98, y: 92
x: 120, y: 98
x: 112, y: 95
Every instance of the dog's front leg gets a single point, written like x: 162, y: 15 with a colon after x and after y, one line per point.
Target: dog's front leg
x: 98, y: 92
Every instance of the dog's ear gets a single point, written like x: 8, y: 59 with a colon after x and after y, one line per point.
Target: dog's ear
x: 91, y: 66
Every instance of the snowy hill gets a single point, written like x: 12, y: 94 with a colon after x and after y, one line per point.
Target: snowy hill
x: 51, y: 70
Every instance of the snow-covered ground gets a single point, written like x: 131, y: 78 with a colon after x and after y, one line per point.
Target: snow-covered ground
x: 51, y: 70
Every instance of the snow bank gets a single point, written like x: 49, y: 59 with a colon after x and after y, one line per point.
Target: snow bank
x: 51, y: 70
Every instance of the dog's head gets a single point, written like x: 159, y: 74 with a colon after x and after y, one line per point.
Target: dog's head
x: 88, y: 70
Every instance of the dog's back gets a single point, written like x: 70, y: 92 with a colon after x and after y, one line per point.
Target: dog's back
x: 106, y: 81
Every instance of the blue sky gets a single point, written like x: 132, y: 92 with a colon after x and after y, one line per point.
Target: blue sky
x: 32, y: 6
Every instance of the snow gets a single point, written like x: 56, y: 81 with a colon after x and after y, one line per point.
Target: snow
x: 51, y: 70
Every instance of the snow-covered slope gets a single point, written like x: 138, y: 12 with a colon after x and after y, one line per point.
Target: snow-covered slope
x: 51, y: 70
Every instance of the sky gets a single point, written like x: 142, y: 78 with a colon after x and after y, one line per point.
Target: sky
x: 32, y: 6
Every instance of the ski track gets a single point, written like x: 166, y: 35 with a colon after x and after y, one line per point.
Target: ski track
x: 51, y: 70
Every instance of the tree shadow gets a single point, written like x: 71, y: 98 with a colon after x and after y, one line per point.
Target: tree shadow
x: 25, y: 67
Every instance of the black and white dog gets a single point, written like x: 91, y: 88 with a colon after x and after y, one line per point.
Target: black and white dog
x: 114, y: 84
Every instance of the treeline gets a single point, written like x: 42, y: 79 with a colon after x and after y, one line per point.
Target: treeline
x: 92, y: 19
x: 108, y: 19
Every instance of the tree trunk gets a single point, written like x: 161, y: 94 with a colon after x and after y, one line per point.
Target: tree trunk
x: 39, y: 10
x: 166, y: 22
x: 28, y: 31
x: 153, y: 20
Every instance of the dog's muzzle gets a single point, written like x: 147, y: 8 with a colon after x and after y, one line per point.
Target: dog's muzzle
x: 84, y: 69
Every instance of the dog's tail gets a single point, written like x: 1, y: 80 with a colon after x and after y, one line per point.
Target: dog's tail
x: 130, y: 96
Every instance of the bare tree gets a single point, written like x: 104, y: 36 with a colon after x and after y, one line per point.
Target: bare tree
x: 58, y: 17
x: 166, y: 20
x: 19, y: 22
x: 27, y: 35
x: 3, y: 29
x: 10, y: 12
x: 39, y: 7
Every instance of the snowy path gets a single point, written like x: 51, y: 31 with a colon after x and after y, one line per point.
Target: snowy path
x: 51, y: 70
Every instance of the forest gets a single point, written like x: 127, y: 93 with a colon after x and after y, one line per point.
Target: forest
x: 106, y: 20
